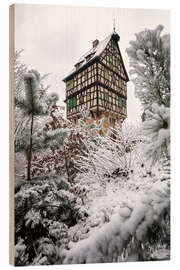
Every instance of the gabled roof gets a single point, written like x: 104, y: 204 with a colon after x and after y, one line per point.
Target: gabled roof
x: 94, y: 53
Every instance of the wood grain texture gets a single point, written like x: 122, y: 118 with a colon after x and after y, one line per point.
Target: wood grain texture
x: 11, y: 134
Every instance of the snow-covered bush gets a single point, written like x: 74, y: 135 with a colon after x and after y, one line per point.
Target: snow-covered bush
x: 124, y: 236
x: 107, y: 157
x: 44, y: 210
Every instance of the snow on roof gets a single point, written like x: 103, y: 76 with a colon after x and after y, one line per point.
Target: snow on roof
x: 93, y: 52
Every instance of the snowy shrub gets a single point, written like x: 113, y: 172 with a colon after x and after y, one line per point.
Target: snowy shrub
x: 126, y: 231
x: 107, y: 157
x: 43, y: 213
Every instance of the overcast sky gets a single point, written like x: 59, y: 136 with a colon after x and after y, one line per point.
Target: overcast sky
x: 54, y: 38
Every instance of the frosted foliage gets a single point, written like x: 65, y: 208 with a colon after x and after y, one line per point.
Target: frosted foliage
x: 32, y: 101
x: 20, y: 252
x: 32, y: 218
x: 157, y: 130
x: 126, y: 229
x: 19, y: 70
x: 149, y: 57
x: 106, y: 156
x: 29, y: 93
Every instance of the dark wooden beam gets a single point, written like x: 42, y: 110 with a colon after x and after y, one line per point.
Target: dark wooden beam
x: 97, y: 94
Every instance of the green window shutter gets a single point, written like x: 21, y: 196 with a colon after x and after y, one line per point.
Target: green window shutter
x: 72, y: 83
x: 88, y: 96
x: 106, y: 96
x: 106, y: 74
x: 120, y: 102
x: 120, y: 83
x: 74, y: 102
x: 116, y: 62
x: 70, y: 103
x: 110, y: 58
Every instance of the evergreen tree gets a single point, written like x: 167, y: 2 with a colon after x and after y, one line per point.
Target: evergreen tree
x: 32, y: 105
x: 149, y: 57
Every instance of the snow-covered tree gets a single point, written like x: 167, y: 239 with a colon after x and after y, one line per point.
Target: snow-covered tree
x: 20, y: 69
x: 32, y: 105
x: 149, y: 57
x: 157, y: 129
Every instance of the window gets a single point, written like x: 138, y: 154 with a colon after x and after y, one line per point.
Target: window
x: 106, y: 74
x: 120, y: 102
x: 72, y: 83
x: 106, y: 96
x: 81, y: 98
x: 120, y: 83
x: 72, y: 102
x: 88, y: 96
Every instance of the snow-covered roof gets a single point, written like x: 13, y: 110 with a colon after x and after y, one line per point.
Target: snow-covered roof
x: 93, y: 52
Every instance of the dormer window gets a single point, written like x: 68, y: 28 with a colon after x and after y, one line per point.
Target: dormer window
x: 89, y: 56
x: 77, y: 66
x: 95, y: 43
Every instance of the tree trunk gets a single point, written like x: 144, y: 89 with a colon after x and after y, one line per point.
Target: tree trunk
x: 66, y: 164
x: 30, y: 150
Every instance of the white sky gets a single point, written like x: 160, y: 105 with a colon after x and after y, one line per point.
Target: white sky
x: 54, y: 38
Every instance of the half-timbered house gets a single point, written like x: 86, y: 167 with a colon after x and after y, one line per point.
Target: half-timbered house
x: 98, y: 82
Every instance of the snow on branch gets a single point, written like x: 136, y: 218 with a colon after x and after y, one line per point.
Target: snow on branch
x: 128, y: 226
x: 149, y: 57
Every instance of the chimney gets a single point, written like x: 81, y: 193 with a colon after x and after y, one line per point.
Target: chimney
x: 95, y: 43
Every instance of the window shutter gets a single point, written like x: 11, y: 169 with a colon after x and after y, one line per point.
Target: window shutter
x: 120, y: 102
x: 88, y: 96
x: 106, y: 74
x: 74, y: 102
x: 106, y: 96
x: 120, y: 82
x: 70, y: 103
